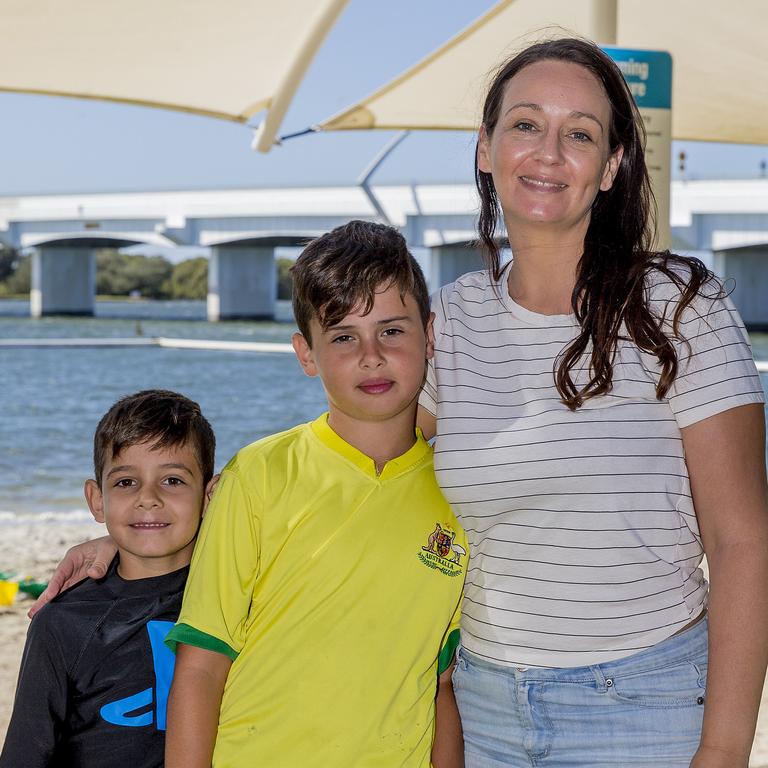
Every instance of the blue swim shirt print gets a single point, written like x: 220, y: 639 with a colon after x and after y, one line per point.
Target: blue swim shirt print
x: 132, y: 711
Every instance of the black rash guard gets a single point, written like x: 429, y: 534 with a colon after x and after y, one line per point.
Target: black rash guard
x: 95, y: 675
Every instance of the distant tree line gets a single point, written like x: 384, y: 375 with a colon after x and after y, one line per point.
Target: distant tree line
x: 15, y: 272
x: 122, y: 274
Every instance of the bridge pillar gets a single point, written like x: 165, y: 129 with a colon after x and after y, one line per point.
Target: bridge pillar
x: 63, y: 280
x: 242, y: 282
x: 451, y: 261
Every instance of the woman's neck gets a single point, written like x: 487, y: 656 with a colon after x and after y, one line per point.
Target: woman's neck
x: 543, y: 272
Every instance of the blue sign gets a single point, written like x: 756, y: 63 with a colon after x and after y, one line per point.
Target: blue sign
x: 648, y: 74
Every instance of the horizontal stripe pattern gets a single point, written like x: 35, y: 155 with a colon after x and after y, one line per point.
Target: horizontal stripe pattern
x: 583, y: 538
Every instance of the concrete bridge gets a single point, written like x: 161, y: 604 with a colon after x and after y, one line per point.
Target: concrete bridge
x: 724, y: 221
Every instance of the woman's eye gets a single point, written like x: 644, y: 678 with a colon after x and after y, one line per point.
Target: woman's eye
x: 525, y: 126
x: 580, y: 136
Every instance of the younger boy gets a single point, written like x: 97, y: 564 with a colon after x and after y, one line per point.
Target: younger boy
x: 95, y: 673
x: 323, y: 597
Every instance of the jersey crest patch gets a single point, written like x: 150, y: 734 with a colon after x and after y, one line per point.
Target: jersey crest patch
x: 442, y: 552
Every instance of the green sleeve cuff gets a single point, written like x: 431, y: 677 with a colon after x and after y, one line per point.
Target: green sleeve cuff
x: 448, y: 651
x: 183, y: 633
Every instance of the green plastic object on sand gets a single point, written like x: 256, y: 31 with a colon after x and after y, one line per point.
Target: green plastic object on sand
x: 28, y: 584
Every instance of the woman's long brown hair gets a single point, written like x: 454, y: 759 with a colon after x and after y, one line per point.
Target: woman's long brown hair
x: 610, y: 297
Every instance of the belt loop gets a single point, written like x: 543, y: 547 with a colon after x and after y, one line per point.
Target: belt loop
x: 603, y: 683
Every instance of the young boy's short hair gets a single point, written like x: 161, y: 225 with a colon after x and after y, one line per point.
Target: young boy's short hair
x: 159, y: 416
x: 329, y: 279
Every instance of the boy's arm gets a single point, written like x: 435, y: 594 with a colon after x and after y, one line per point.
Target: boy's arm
x: 448, y: 745
x: 193, y: 706
x: 40, y: 705
x: 89, y: 559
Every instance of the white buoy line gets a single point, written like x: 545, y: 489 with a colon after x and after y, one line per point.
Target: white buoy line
x: 155, y: 341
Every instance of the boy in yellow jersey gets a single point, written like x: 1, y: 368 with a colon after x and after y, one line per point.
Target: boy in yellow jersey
x: 321, y: 613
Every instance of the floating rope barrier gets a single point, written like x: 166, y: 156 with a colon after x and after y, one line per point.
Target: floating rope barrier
x: 157, y: 341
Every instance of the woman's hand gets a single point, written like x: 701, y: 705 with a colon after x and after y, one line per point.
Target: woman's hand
x: 712, y: 757
x: 89, y: 559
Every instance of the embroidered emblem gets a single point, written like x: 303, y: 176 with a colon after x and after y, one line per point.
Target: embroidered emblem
x: 442, y: 552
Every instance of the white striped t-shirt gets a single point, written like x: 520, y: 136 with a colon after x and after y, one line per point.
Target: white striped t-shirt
x: 583, y: 539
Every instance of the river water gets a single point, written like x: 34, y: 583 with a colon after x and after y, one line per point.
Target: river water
x: 52, y: 399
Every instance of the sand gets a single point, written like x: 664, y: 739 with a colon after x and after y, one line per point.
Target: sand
x: 34, y: 549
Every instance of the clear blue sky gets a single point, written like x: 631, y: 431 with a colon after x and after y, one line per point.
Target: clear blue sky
x: 50, y: 144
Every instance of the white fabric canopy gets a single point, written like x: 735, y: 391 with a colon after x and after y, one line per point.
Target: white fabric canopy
x: 720, y: 64
x: 229, y: 59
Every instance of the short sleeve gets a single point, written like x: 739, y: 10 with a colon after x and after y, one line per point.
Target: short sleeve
x: 223, y: 572
x: 428, y: 396
x: 450, y: 640
x: 716, y: 371
x: 40, y: 706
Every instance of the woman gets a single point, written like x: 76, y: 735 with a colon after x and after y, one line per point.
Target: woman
x: 598, y: 420
x: 597, y: 417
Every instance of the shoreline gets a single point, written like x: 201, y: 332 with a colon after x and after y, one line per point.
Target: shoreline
x: 31, y: 546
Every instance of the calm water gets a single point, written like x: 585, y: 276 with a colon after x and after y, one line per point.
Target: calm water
x: 52, y: 399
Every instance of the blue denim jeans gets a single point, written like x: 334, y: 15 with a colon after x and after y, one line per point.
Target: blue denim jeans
x: 643, y: 710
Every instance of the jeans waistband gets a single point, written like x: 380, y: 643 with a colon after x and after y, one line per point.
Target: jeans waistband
x: 689, y: 643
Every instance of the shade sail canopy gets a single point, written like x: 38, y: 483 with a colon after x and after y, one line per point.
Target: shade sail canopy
x: 229, y: 59
x: 720, y: 64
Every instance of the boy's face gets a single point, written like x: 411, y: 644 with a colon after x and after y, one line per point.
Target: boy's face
x: 372, y: 366
x: 151, y: 501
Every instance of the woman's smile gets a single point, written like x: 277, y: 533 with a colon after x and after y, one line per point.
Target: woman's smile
x: 549, y: 152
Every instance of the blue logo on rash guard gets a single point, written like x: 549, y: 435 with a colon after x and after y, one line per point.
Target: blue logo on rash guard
x: 125, y: 711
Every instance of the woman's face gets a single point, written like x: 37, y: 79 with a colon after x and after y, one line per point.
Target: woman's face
x: 549, y: 152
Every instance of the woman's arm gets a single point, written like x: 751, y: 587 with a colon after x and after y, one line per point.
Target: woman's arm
x: 193, y: 706
x: 725, y: 455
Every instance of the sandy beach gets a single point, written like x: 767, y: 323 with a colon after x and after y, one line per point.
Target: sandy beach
x: 34, y: 548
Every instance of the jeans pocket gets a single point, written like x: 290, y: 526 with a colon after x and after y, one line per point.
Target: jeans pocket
x: 679, y: 685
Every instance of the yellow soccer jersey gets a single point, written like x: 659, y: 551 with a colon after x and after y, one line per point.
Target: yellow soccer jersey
x: 337, y: 594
